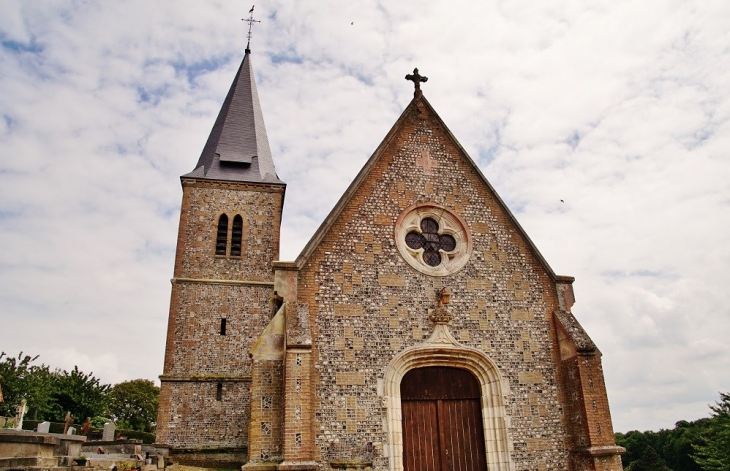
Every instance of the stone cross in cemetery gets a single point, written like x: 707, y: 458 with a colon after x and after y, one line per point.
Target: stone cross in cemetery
x: 19, y: 413
x: 109, y: 429
x: 67, y: 422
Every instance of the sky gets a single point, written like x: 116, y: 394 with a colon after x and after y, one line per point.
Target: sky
x: 603, y: 124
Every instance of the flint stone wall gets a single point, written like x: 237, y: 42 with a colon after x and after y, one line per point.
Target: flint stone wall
x: 367, y: 304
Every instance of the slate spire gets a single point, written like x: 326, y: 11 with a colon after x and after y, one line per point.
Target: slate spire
x: 238, y: 148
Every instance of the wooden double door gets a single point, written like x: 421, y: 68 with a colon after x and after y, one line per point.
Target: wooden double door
x: 442, y: 420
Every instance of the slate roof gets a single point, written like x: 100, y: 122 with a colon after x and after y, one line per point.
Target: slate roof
x: 238, y: 148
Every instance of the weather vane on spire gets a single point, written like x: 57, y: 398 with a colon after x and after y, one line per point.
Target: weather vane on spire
x: 250, y: 22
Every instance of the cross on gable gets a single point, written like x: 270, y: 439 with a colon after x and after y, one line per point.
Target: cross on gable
x: 416, y: 78
x: 426, y: 162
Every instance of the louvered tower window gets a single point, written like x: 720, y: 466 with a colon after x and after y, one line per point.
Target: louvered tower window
x: 236, y: 236
x: 221, y: 239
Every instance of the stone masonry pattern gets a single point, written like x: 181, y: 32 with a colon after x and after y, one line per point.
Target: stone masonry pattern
x: 206, y: 289
x: 191, y: 415
x: 368, y: 304
x: 203, y: 203
x: 354, y: 305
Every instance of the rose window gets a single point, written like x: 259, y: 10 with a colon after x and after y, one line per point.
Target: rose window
x: 433, y: 240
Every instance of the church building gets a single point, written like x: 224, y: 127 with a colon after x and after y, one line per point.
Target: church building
x: 419, y: 329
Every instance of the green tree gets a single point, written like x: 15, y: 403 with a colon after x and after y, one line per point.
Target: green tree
x: 679, y: 448
x: 21, y: 378
x: 133, y: 404
x: 79, y: 393
x: 712, y: 453
x: 649, y: 461
x: 674, y: 446
x: 635, y: 443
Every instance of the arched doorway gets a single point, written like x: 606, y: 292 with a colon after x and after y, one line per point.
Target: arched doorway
x: 442, y: 420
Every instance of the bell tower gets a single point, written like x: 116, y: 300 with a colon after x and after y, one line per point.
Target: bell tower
x: 222, y: 285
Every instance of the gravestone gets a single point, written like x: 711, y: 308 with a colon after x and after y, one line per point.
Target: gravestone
x: 109, y: 429
x: 19, y: 413
x: 71, y: 431
x: 67, y: 422
x: 44, y: 427
x: 86, y: 427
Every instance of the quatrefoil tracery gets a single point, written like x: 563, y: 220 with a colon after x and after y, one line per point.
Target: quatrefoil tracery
x: 430, y: 241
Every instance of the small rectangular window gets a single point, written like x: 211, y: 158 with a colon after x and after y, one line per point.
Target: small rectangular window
x: 223, y: 326
x: 219, y: 392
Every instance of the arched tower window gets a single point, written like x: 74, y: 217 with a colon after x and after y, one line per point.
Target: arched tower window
x: 236, y: 236
x: 221, y: 239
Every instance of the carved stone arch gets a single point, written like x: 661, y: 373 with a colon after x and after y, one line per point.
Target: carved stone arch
x: 443, y: 350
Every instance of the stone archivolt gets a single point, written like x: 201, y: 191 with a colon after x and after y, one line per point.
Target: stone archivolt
x: 442, y: 349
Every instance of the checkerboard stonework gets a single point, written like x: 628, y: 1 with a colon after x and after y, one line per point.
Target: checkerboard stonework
x: 314, y: 352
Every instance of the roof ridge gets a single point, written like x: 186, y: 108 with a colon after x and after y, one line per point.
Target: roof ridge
x: 418, y: 99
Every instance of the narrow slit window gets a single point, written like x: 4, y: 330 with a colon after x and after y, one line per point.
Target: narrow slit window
x: 236, y: 236
x: 219, y: 392
x: 221, y: 239
x: 223, y: 326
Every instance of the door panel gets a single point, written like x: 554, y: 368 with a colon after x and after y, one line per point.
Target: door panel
x: 463, y: 435
x: 442, y: 421
x: 421, y: 444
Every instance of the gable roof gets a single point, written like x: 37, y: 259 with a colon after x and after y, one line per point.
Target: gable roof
x: 418, y: 99
x: 238, y: 147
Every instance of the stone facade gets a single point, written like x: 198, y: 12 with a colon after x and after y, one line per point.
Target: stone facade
x: 362, y: 305
x: 367, y: 305
x: 206, y: 386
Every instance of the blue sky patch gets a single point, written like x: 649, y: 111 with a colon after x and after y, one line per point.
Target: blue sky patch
x: 196, y: 69
x: 19, y: 47
x: 9, y: 214
x: 573, y: 140
x: 151, y: 96
x: 288, y: 57
x: 9, y: 121
x: 615, y: 274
